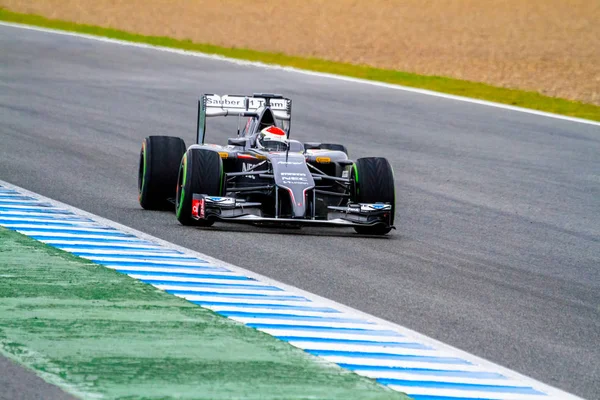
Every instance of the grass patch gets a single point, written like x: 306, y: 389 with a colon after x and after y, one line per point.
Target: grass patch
x: 459, y: 87
x: 101, y: 334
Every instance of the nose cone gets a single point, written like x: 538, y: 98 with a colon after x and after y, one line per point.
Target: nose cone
x: 291, y: 173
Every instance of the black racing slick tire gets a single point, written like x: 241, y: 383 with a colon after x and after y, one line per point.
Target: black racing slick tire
x: 373, y: 181
x: 158, y: 167
x: 200, y: 172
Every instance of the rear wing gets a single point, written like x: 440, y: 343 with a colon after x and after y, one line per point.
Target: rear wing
x: 213, y: 105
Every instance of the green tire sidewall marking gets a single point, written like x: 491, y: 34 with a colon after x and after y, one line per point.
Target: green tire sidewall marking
x: 355, y: 176
x: 221, y: 179
x: 394, y: 186
x: 183, y: 182
x: 144, y: 161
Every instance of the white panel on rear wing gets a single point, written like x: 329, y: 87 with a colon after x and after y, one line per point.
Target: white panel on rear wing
x: 234, y: 105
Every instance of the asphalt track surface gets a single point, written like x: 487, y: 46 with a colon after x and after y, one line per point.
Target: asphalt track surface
x: 17, y: 383
x: 497, y: 250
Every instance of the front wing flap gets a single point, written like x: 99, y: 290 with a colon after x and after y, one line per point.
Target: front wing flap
x: 214, y: 207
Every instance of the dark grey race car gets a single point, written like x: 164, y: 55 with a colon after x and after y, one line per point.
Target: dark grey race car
x: 262, y: 182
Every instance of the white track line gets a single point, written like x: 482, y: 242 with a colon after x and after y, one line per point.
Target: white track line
x: 305, y: 72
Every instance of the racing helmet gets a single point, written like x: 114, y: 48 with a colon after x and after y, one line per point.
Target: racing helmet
x: 272, y: 138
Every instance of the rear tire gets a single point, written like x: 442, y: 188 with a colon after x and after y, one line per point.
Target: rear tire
x: 373, y: 179
x: 157, y: 175
x: 200, y: 172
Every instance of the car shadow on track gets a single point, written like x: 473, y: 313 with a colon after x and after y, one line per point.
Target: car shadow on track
x: 158, y: 217
x: 268, y: 230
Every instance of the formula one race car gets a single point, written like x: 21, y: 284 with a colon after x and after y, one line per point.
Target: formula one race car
x: 261, y: 176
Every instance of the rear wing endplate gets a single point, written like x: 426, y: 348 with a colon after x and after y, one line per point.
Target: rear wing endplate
x: 213, y: 105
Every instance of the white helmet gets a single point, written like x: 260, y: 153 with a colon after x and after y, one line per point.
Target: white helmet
x: 272, y: 138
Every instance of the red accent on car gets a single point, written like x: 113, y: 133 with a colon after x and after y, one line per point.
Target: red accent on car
x: 246, y: 156
x: 198, y: 208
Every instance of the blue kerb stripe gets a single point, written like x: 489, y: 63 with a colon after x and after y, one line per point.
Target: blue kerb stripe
x: 354, y: 331
x: 83, y: 230
x: 212, y: 285
x: 47, y: 223
x: 401, y: 345
x: 184, y: 275
x: 103, y: 232
x: 38, y: 210
x: 197, y: 268
x: 28, y: 206
x: 237, y: 295
x: 46, y: 218
x: 287, y: 317
x: 15, y: 196
x: 111, y: 239
x: 426, y: 371
x: 150, y: 256
x: 140, y: 263
x: 102, y: 244
x: 112, y: 246
x: 267, y: 306
x: 24, y: 202
x: 386, y: 356
x: 460, y: 386
x: 428, y: 397
x: 92, y: 248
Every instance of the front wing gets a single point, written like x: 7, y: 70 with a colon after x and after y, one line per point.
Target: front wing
x: 228, y: 209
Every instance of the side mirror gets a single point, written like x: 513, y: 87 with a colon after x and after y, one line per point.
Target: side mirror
x: 237, y: 142
x: 312, y: 146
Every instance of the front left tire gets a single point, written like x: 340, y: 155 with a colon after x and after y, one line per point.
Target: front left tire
x: 373, y: 181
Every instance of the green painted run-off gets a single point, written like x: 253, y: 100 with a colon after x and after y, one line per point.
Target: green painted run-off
x: 100, y: 334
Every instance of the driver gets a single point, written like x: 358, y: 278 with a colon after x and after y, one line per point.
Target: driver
x: 272, y: 138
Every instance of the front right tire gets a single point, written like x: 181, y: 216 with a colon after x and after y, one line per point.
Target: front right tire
x: 157, y: 175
